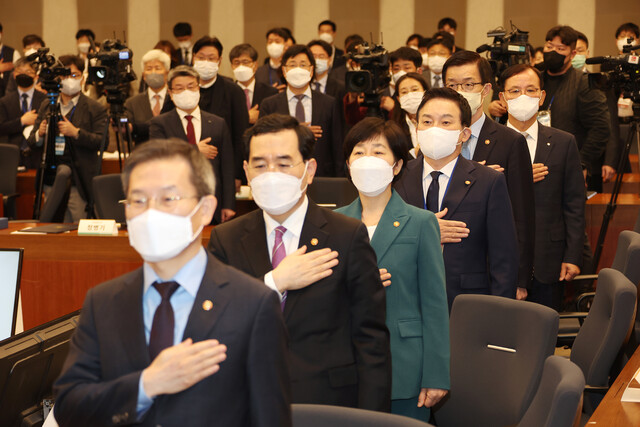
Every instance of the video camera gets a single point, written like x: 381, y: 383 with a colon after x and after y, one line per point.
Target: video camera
x: 49, y: 70
x: 507, y: 49
x: 372, y: 77
x: 621, y: 73
x: 114, y: 71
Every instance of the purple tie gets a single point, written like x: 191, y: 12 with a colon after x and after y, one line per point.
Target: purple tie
x: 161, y: 335
x: 246, y: 95
x: 278, y: 254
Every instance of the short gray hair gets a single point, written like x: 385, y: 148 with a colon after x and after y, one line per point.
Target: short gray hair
x: 202, y: 176
x: 158, y: 54
x: 182, y: 71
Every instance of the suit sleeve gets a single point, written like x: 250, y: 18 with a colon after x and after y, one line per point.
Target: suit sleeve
x: 434, y: 306
x: 573, y: 206
x: 267, y: 107
x: 156, y: 129
x: 520, y: 186
x: 593, y: 114
x: 91, y: 133
x: 227, y: 171
x: 82, y: 398
x: 240, y: 117
x: 139, y: 130
x: 9, y: 126
x: 369, y: 333
x: 336, y: 140
x: 216, y: 248
x: 502, y: 242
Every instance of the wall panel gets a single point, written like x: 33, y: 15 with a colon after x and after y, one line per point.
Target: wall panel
x: 429, y: 13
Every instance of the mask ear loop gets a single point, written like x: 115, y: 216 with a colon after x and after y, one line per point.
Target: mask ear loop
x: 191, y: 214
x: 306, y: 164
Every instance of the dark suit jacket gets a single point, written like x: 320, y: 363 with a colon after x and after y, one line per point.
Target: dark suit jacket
x: 99, y: 381
x: 11, y: 127
x: 560, y: 204
x: 169, y: 125
x: 138, y: 110
x: 91, y: 118
x: 485, y: 262
x: 325, y: 113
x: 339, y: 344
x: 499, y: 145
x: 267, y: 75
x: 261, y: 92
x: 225, y: 99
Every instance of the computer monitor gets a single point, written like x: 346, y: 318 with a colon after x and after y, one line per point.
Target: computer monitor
x: 10, y: 269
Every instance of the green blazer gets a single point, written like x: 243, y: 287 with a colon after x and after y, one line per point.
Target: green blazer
x: 407, y: 244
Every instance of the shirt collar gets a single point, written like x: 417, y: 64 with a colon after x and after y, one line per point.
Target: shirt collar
x: 477, y: 126
x: 183, y: 114
x: 290, y: 94
x: 28, y: 92
x: 323, y: 80
x: 447, y: 170
x: 293, y: 223
x: 251, y: 86
x: 162, y: 93
x: 72, y: 103
x: 211, y: 83
x: 189, y: 276
x: 532, y: 131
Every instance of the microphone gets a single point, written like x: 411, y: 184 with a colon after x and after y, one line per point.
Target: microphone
x: 598, y: 60
x: 485, y: 47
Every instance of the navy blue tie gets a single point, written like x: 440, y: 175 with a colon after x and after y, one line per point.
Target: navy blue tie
x: 25, y: 104
x: 433, y: 192
x: 161, y: 335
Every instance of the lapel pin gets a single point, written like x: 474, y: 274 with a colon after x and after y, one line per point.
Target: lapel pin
x: 396, y: 224
x: 314, y: 242
x: 548, y: 143
x: 487, y: 142
x: 207, y: 305
x: 467, y: 182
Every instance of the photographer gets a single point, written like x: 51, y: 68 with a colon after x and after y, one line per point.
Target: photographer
x: 82, y: 126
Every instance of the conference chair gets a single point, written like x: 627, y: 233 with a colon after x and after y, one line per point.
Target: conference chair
x: 332, y: 192
x: 558, y: 400
x: 498, y: 349
x: 107, y: 191
x: 9, y: 161
x: 306, y: 415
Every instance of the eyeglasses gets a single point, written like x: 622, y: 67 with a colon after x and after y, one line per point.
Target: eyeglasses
x: 466, y: 87
x: 245, y: 62
x: 165, y: 202
x: 282, y: 166
x: 301, y: 65
x: 192, y: 86
x: 530, y: 91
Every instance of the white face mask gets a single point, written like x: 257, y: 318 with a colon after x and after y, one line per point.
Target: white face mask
x: 371, y: 175
x: 159, y: 236
x: 184, y: 44
x: 425, y: 59
x: 437, y: 143
x: 396, y: 76
x: 29, y: 51
x: 187, y: 99
x: 277, y: 192
x: 275, y: 50
x: 474, y: 99
x: 298, y: 77
x: 71, y: 86
x: 326, y: 37
x: 436, y: 63
x: 84, y: 47
x: 410, y: 102
x: 523, y: 107
x: 622, y: 43
x: 207, y: 69
x: 322, y: 65
x: 242, y: 73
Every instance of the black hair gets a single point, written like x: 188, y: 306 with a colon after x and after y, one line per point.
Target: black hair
x: 31, y: 39
x: 85, y: 32
x: 465, y: 57
x: 0, y: 28
x: 446, y: 42
x: 372, y: 127
x: 398, y: 114
x: 352, y: 39
x: 519, y: 69
x: 323, y: 44
x: 328, y: 22
x: 182, y: 29
x: 538, y: 49
x: 414, y: 76
x: 279, y: 31
x: 629, y: 26
x: 451, y: 95
x: 447, y: 21
x: 424, y: 42
x: 208, y: 41
x: 406, y: 53
x: 414, y: 36
x: 68, y: 60
x: 583, y: 37
x: 243, y: 49
x: 289, y: 35
x: 274, y: 123
x: 568, y: 36
x: 295, y: 50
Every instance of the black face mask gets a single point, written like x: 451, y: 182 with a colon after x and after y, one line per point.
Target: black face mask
x: 553, y: 61
x: 24, y: 80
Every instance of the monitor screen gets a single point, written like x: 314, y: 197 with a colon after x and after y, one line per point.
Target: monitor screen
x: 10, y: 268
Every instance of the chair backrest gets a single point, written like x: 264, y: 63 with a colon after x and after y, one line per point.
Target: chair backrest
x: 606, y: 326
x: 332, y: 191
x: 498, y: 349
x: 305, y: 415
x: 558, y: 397
x: 9, y: 161
x: 107, y: 190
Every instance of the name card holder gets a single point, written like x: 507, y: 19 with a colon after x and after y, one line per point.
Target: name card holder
x: 97, y: 227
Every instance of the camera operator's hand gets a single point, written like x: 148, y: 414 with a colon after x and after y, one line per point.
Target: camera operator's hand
x: 42, y: 130
x: 497, y: 108
x: 67, y: 128
x: 209, y: 151
x: 317, y: 130
x: 29, y: 118
x: 387, y: 103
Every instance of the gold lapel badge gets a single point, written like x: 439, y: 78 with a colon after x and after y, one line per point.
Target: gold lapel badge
x: 487, y: 142
x: 207, y: 305
x: 467, y: 182
x: 314, y: 242
x: 548, y: 143
x: 396, y: 224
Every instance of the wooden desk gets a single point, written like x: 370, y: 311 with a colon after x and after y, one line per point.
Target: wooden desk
x: 58, y: 269
x: 611, y: 411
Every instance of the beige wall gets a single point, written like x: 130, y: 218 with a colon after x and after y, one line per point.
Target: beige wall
x: 260, y: 16
x: 356, y: 17
x: 429, y: 13
x: 18, y: 19
x: 609, y: 16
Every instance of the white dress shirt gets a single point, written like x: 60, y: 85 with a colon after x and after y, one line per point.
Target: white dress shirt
x: 251, y: 87
x: 443, y: 180
x: 29, y: 98
x: 152, y: 94
x: 323, y: 83
x: 475, y: 133
x: 531, y: 135
x: 306, y: 103
x: 433, y: 80
x: 196, y: 120
x: 290, y: 239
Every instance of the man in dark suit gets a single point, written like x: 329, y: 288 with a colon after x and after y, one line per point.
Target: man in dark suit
x: 322, y: 266
x: 321, y: 112
x: 141, y: 108
x: 324, y: 81
x: 465, y: 193
x: 499, y: 147
x: 18, y: 113
x: 205, y: 131
x: 83, y: 126
x: 184, y: 35
x: 270, y: 73
x: 558, y: 187
x: 185, y: 339
x: 219, y: 95
x: 327, y: 33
